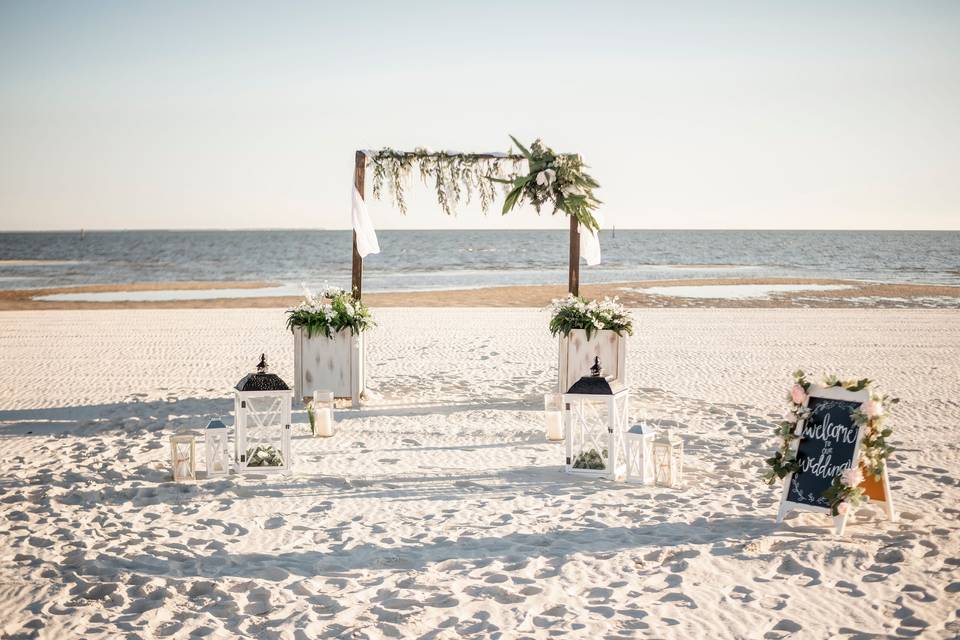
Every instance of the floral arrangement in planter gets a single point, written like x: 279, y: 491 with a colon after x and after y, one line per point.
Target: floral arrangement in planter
x: 264, y: 456
x: 318, y: 317
x: 845, y: 490
x: 574, y: 312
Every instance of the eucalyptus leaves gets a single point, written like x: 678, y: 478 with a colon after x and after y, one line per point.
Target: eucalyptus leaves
x: 456, y: 177
x: 551, y: 178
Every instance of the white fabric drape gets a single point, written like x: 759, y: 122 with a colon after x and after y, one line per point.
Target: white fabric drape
x: 590, y: 244
x: 363, y: 226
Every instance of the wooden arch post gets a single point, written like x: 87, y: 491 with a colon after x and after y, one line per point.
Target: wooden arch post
x: 356, y: 272
x: 573, y: 280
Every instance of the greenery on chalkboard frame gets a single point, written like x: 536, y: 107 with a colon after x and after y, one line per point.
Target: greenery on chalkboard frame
x: 845, y: 490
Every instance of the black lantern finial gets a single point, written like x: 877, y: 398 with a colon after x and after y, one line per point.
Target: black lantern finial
x: 263, y: 366
x: 596, y: 369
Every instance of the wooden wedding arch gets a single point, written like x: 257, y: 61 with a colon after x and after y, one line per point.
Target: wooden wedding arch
x: 359, y: 179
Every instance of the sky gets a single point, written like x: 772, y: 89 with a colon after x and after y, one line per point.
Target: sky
x: 705, y: 115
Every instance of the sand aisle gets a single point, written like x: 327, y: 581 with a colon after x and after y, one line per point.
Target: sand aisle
x: 438, y: 510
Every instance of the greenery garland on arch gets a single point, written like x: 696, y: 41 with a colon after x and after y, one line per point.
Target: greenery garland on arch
x: 551, y: 178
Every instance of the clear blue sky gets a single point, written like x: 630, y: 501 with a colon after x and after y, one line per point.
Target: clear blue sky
x: 692, y: 115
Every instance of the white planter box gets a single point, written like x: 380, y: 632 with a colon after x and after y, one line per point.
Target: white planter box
x: 577, y: 355
x: 331, y: 364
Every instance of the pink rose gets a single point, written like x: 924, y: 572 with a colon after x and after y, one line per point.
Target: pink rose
x: 842, y: 508
x: 873, y: 408
x: 797, y: 394
x: 852, y: 477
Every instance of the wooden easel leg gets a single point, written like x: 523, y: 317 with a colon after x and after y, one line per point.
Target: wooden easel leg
x: 782, y: 511
x: 888, y: 504
x: 840, y: 522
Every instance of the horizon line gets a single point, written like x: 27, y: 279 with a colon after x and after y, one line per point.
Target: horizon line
x: 561, y: 229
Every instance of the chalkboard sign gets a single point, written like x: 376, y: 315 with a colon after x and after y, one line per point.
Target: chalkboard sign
x: 828, y: 447
x: 829, y: 444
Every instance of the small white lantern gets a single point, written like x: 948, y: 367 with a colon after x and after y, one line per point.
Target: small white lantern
x: 594, y: 421
x: 183, y: 457
x: 638, y: 446
x: 668, y: 460
x: 217, y: 446
x: 553, y: 414
x: 262, y: 402
x: 321, y: 414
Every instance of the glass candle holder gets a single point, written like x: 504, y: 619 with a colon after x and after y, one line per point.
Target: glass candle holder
x: 322, y: 414
x: 553, y: 414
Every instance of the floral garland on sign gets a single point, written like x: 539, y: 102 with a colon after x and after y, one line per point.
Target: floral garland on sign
x: 845, y: 490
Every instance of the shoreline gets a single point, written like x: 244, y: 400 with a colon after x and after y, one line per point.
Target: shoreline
x: 854, y: 294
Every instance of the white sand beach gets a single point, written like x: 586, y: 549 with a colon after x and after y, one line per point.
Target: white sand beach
x: 438, y: 510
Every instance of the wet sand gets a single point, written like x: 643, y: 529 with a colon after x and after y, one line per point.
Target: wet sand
x: 858, y: 294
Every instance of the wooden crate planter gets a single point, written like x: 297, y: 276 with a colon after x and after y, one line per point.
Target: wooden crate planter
x: 577, y: 355
x: 335, y: 364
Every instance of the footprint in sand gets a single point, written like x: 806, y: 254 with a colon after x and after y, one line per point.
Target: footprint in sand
x: 784, y: 629
x: 849, y: 589
x: 743, y: 594
x: 258, y: 602
x: 918, y: 593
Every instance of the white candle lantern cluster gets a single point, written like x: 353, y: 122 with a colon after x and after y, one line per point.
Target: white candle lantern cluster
x: 553, y: 414
x: 321, y: 409
x: 595, y: 419
x: 262, y: 403
x: 638, y: 447
x: 668, y: 460
x: 183, y: 457
x: 217, y: 446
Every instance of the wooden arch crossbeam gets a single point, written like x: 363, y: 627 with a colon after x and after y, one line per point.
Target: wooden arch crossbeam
x: 359, y: 178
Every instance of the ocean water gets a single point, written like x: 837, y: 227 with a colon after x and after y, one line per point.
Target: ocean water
x: 429, y: 260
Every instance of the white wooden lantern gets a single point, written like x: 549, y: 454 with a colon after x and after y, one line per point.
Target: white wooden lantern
x: 553, y: 414
x: 262, y: 402
x: 322, y: 410
x: 668, y: 460
x: 183, y: 457
x: 217, y: 448
x: 638, y: 447
x: 594, y: 422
